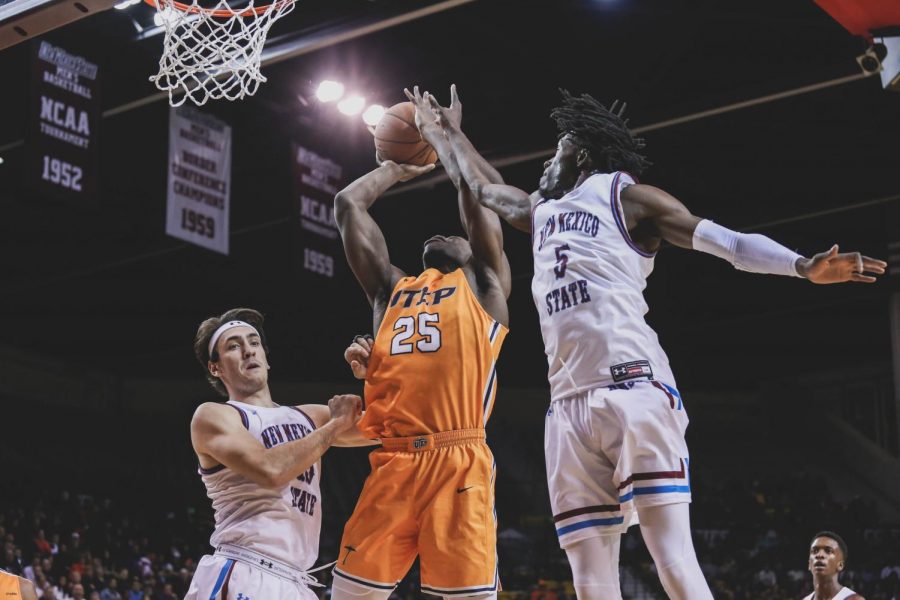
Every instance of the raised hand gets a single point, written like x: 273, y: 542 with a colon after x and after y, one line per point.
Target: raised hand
x: 357, y: 355
x: 833, y: 267
x: 426, y: 120
x: 450, y: 116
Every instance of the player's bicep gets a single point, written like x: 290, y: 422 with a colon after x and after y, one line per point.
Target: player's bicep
x: 365, y: 247
x: 223, y: 437
x: 670, y: 218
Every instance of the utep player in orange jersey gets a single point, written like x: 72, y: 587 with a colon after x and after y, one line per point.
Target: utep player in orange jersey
x: 13, y: 587
x: 430, y: 387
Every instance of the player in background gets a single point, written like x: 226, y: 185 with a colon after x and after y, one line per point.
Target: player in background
x: 827, y: 559
x: 614, y: 439
x: 13, y: 587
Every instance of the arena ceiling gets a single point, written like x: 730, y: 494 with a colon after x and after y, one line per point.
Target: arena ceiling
x: 104, y: 287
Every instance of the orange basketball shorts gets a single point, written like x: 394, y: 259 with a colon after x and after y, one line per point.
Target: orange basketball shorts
x: 431, y: 496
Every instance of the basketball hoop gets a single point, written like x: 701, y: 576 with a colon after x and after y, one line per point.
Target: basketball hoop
x: 213, y: 53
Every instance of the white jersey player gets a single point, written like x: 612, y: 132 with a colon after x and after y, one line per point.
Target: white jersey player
x: 260, y: 463
x: 615, y: 428
x: 827, y: 559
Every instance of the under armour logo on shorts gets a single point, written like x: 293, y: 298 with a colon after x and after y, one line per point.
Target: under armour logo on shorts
x: 420, y: 443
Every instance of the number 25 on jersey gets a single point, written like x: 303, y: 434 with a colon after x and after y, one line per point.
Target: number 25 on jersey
x: 406, y: 327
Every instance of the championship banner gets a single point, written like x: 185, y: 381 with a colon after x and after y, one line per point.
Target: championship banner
x: 199, y: 179
x: 316, y: 180
x: 63, y: 158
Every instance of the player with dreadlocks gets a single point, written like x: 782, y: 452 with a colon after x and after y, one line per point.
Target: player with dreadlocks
x: 614, y: 436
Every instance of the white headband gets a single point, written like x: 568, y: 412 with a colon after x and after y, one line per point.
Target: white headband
x: 222, y: 329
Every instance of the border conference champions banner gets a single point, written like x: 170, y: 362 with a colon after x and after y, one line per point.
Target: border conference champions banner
x: 63, y: 158
x: 199, y: 179
x: 316, y: 180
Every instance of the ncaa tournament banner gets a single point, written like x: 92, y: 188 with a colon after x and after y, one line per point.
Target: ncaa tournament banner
x: 63, y: 158
x: 199, y: 179
x: 316, y: 180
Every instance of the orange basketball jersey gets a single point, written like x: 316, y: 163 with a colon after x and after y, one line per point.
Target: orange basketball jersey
x: 9, y: 587
x: 433, y: 366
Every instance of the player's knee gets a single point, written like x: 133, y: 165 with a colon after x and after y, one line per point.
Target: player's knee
x: 666, y: 530
x: 342, y: 589
x: 683, y: 580
x: 674, y: 563
x: 598, y: 592
x: 595, y: 565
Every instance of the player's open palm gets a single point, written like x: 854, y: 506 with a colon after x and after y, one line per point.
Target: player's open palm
x: 449, y: 116
x: 426, y: 120
x: 838, y: 267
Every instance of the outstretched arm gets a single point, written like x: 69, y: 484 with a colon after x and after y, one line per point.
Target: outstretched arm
x: 482, y: 226
x: 217, y: 433
x: 363, y: 240
x: 673, y: 222
x: 509, y: 202
x: 350, y: 438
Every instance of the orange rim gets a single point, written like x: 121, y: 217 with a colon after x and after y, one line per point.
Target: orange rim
x: 215, y: 12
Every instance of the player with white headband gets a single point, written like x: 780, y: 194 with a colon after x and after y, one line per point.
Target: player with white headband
x: 260, y: 463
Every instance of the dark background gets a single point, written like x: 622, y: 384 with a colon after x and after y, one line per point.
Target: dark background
x: 98, y: 307
x: 106, y: 287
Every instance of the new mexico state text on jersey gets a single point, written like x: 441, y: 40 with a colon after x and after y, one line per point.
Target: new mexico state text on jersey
x: 589, y: 278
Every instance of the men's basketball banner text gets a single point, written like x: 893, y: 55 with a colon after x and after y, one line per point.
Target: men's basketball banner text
x: 199, y: 179
x: 63, y: 158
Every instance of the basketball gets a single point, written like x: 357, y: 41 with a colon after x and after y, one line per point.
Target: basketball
x: 398, y: 139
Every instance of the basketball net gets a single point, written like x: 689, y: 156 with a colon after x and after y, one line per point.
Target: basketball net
x: 213, y: 53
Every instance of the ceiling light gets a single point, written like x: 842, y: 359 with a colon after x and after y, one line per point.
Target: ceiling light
x: 352, y: 105
x: 329, y: 91
x: 373, y: 114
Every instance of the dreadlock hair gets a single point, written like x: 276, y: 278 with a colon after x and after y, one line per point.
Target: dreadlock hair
x: 601, y: 131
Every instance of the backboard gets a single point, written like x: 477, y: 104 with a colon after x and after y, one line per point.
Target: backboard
x: 21, y: 20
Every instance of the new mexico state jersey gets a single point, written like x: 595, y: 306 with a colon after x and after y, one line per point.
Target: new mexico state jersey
x: 433, y: 366
x: 589, y: 279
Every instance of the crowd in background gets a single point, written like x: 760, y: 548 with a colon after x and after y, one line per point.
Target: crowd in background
x: 752, y: 538
x: 74, y: 547
x: 136, y: 520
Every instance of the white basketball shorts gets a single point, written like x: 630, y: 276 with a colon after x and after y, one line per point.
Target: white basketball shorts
x: 222, y: 578
x: 611, y: 450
